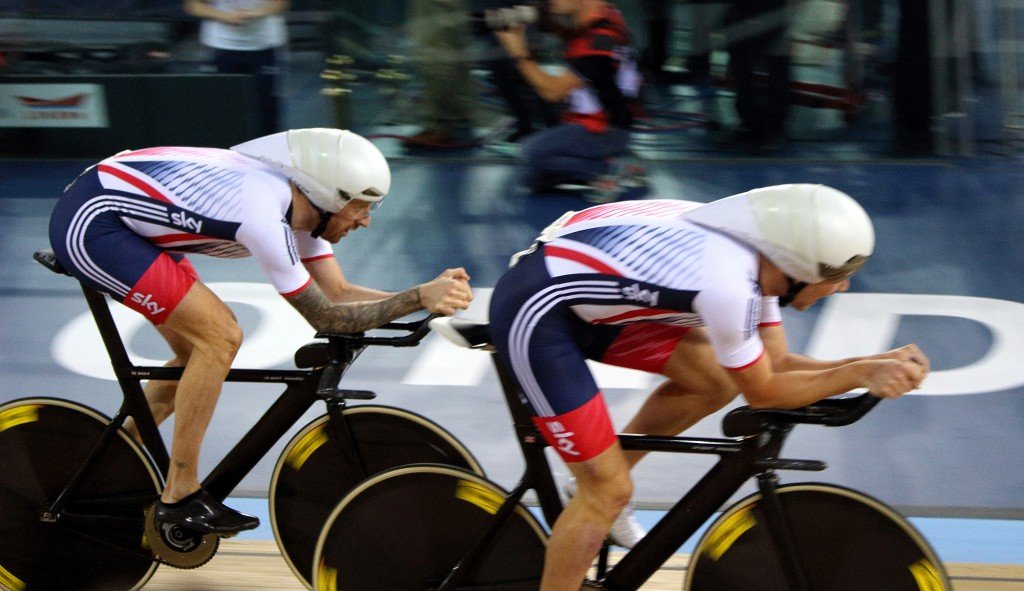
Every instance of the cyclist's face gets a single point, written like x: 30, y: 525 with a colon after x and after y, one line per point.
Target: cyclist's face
x: 355, y: 214
x: 812, y: 293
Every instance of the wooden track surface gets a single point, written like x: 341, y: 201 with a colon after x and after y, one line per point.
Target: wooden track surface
x: 254, y: 565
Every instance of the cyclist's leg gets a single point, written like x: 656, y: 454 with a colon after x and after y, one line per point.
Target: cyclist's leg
x: 541, y: 345
x: 604, y: 488
x: 696, y: 387
x: 209, y: 326
x: 160, y: 393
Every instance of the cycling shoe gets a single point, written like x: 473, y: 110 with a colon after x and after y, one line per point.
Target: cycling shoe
x: 205, y: 514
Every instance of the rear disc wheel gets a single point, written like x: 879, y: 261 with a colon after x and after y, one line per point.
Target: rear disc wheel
x: 96, y: 543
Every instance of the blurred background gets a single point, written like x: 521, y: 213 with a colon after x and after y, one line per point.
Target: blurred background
x: 866, y: 78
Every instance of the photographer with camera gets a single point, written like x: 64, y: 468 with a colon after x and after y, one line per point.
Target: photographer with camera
x: 601, y: 86
x: 529, y: 111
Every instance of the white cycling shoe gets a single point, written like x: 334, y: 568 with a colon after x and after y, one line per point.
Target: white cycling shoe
x: 626, y: 532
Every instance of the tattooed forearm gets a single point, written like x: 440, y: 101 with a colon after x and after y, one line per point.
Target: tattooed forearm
x: 350, y: 317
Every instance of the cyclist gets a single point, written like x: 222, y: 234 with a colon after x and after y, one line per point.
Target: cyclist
x: 124, y: 225
x: 687, y: 290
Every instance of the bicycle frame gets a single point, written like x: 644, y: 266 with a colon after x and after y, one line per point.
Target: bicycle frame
x: 740, y: 460
x: 303, y: 389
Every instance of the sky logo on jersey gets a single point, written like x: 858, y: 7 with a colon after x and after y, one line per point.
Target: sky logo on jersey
x: 634, y: 293
x: 563, y: 438
x: 145, y: 302
x: 183, y: 220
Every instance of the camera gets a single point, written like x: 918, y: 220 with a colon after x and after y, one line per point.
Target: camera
x: 502, y: 19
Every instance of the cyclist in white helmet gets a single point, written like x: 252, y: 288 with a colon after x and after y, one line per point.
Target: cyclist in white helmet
x: 124, y: 225
x: 687, y: 290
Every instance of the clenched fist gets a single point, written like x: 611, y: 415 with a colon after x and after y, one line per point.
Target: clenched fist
x: 447, y: 293
x: 891, y: 378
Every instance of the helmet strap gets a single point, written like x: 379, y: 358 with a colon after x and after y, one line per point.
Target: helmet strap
x: 325, y: 218
x: 794, y: 288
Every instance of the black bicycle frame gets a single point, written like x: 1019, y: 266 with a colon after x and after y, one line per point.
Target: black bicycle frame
x: 740, y: 460
x: 304, y: 388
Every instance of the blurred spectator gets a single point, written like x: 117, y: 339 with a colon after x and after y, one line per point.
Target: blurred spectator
x: 759, y: 51
x: 246, y: 36
x: 529, y: 111
x: 440, y: 33
x: 601, y: 86
x: 704, y: 17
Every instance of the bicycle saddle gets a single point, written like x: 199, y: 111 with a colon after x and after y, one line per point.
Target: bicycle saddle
x: 46, y: 258
x: 474, y: 334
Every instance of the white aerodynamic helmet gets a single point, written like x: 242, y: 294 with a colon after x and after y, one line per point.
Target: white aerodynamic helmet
x: 331, y: 166
x: 811, y: 233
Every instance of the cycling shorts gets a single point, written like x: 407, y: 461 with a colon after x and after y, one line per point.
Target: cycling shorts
x: 92, y: 242
x: 546, y: 346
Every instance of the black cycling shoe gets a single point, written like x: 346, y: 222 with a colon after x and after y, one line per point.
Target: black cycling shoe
x: 205, y: 514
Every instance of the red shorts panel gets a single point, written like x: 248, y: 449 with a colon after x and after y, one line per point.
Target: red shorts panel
x: 579, y: 434
x: 646, y: 346
x: 161, y: 288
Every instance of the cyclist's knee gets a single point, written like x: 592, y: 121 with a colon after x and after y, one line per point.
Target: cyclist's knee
x: 607, y: 494
x: 228, y: 338
x: 219, y: 340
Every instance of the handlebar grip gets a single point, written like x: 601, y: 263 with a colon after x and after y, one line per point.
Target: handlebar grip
x: 837, y: 412
x: 840, y: 412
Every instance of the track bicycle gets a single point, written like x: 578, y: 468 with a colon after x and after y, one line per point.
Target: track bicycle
x: 75, y: 488
x: 434, y: 528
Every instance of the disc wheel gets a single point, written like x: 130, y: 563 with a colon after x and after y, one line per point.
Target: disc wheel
x: 405, y: 529
x: 313, y: 472
x: 96, y: 542
x: 845, y: 541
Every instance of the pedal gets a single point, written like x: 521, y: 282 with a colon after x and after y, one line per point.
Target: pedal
x: 177, y: 546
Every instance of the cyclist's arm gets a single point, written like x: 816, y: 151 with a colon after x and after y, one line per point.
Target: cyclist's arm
x: 764, y: 387
x: 445, y: 294
x: 349, y: 317
x: 327, y: 274
x: 774, y: 338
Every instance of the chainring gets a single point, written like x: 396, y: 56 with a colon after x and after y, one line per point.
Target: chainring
x: 177, y: 546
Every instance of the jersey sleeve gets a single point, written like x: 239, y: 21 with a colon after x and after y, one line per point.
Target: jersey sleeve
x: 274, y: 247
x: 731, y: 315
x: 311, y: 249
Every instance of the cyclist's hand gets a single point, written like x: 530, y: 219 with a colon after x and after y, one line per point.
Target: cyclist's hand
x: 891, y: 378
x: 459, y: 273
x: 910, y: 353
x: 447, y: 293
